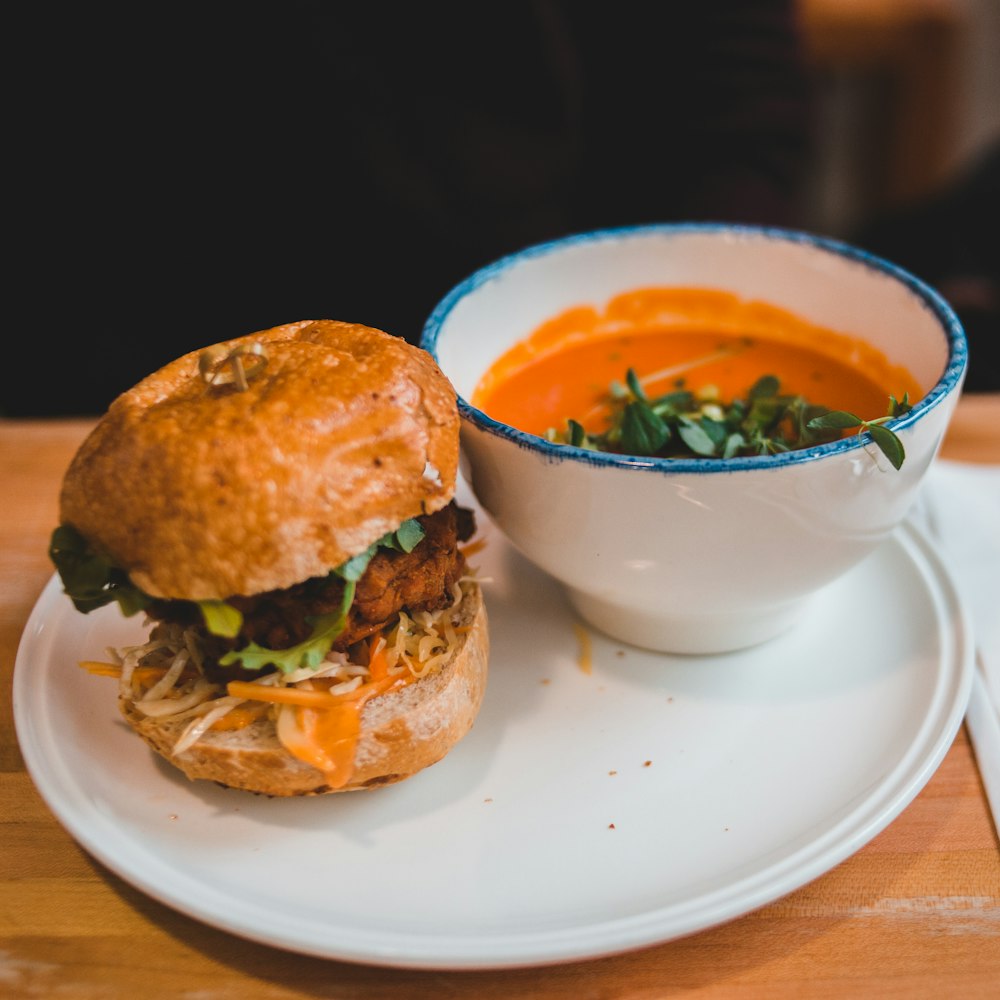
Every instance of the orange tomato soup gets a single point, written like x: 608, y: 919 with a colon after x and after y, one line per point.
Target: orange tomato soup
x: 681, y: 336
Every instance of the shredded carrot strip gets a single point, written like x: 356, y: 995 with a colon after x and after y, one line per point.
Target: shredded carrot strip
x: 101, y: 669
x: 473, y: 547
x: 310, y: 699
x: 281, y: 695
x: 139, y: 675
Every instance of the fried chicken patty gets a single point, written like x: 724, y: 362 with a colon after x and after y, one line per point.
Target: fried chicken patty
x: 421, y: 580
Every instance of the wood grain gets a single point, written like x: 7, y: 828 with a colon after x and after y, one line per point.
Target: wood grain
x: 914, y: 914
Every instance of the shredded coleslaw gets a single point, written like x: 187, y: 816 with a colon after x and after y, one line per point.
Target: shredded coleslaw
x: 163, y: 677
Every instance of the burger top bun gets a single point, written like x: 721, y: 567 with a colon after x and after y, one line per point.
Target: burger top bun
x: 205, y: 490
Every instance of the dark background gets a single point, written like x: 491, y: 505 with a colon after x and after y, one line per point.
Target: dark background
x: 189, y: 172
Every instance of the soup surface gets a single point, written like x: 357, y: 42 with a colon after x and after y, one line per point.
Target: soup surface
x: 706, y: 341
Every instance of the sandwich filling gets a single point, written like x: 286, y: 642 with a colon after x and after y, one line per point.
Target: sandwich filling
x: 391, y: 620
x: 417, y: 578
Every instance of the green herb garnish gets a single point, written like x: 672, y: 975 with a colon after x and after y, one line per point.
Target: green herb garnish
x: 887, y: 442
x: 684, y: 424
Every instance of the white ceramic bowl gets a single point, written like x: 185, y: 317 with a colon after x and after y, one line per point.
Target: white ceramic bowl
x: 697, y: 555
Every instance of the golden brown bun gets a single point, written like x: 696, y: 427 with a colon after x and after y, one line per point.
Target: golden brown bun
x: 204, y: 492
x: 401, y: 732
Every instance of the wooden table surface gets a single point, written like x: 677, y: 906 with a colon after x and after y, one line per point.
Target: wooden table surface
x: 914, y: 914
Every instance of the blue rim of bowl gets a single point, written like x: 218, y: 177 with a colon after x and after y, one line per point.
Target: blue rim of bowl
x: 952, y: 376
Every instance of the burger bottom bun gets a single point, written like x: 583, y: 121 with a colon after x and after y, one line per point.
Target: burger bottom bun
x: 401, y: 732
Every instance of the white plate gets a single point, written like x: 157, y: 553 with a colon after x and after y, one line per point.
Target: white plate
x: 585, y: 814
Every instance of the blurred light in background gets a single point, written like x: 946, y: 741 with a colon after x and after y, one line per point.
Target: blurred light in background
x: 907, y: 96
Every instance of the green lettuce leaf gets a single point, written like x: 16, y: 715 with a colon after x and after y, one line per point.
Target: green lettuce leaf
x: 308, y: 653
x: 89, y: 579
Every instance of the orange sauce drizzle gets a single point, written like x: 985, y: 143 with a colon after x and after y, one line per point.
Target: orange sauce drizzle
x: 327, y: 726
x: 240, y: 717
x: 331, y: 733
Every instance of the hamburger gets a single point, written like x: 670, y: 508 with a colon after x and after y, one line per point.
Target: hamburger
x: 280, y: 507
